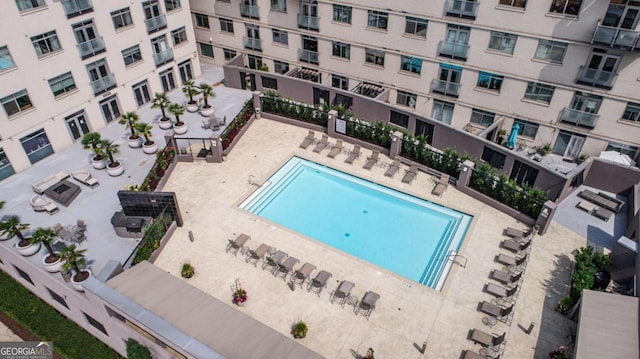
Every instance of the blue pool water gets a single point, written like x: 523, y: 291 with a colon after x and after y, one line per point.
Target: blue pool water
x: 401, y: 233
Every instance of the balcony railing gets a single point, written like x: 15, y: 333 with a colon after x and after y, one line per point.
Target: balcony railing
x: 616, y: 37
x: 156, y: 23
x: 163, y: 57
x: 596, y: 78
x: 579, y: 118
x: 250, y: 11
x: 252, y: 43
x: 308, y: 56
x: 76, y: 7
x: 453, y: 50
x: 91, y: 47
x: 308, y: 22
x: 445, y: 87
x: 103, y: 84
x: 461, y: 8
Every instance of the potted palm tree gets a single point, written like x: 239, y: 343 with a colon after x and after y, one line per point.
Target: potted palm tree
x: 52, y: 261
x: 91, y: 141
x: 179, y: 128
x: 161, y: 101
x: 207, y: 91
x: 74, y: 260
x: 108, y: 148
x: 149, y: 146
x: 190, y: 89
x: 13, y: 227
x: 130, y: 119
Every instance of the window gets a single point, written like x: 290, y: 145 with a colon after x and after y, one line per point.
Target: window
x: 341, y: 82
x: 539, y: 92
x: 340, y: 49
x: 342, y: 13
x: 24, y: 275
x: 406, y: 99
x: 343, y: 100
x: 77, y: 124
x: 226, y: 25
x: 424, y: 129
x: 552, y: 51
x: 185, y: 70
x: 172, y: 4
x: 131, y: 55
x: 399, y: 119
x: 514, y: 3
x: 24, y: 5
x: 102, y: 80
x: 280, y: 67
x: 375, y: 57
x: 94, y: 323
x: 154, y: 20
x: 62, y: 84
x: 411, y: 64
x: 179, y: 35
x: 36, y: 145
x: 110, y: 109
x: 89, y: 43
x: 493, y: 157
x: 206, y: 50
x: 255, y: 62
x: 442, y: 111
x: 628, y: 150
x: 280, y: 36
x: 456, y: 43
x: 377, y: 19
x: 309, y: 51
x: 522, y: 173
x: 73, y: 8
x: 202, y: 20
x: 167, y: 80
x: 568, y: 7
x: 489, y: 81
x: 279, y: 5
x: 632, y: 112
x: 415, y: 26
x: 121, y: 18
x: 6, y: 61
x: 503, y: 42
x: 526, y: 129
x: 228, y: 54
x: 448, y: 82
x: 58, y: 298
x: 46, y: 43
x: 482, y: 118
x: 16, y: 103
x: 269, y: 82
x: 141, y: 93
x: 6, y: 169
x: 162, y: 53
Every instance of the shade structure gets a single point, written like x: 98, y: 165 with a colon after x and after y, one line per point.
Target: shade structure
x: 617, y: 157
x: 513, y: 136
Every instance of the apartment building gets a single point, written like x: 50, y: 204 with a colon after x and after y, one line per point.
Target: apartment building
x: 564, y: 70
x: 68, y: 67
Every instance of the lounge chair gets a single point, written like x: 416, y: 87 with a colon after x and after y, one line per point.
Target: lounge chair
x: 486, y: 339
x: 516, y: 246
x: 368, y: 303
x: 275, y: 261
x: 586, y: 206
x: 355, y: 153
x: 511, y: 261
x: 603, y: 214
x: 287, y: 266
x: 238, y: 243
x: 441, y: 186
x: 500, y: 291
x: 468, y: 354
x: 40, y: 204
x: 303, y: 273
x: 85, y: 178
x: 393, y: 168
x: 342, y: 292
x: 311, y: 137
x: 411, y: 173
x: 512, y: 232
x: 335, y: 150
x: 505, y: 277
x: 322, y: 144
x: 371, y: 160
x: 612, y: 204
x: 319, y: 282
x: 500, y: 313
x: 257, y: 254
x: 587, y: 194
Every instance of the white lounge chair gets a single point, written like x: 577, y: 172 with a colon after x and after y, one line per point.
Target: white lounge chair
x: 40, y: 204
x: 85, y: 178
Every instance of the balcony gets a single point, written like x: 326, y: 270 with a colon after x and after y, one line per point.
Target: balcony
x: 596, y: 78
x: 445, y: 87
x: 617, y: 37
x: 103, y: 84
x: 453, y: 50
x: 250, y: 11
x: 579, y: 118
x: 252, y: 43
x: 308, y: 22
x: 156, y: 24
x: 308, y: 56
x: 91, y: 47
x: 462, y: 9
x: 73, y: 8
x: 163, y: 57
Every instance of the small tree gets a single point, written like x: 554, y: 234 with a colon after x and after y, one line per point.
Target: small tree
x: 108, y: 149
x: 190, y: 89
x: 46, y: 236
x: 161, y: 101
x: 177, y: 110
x: 74, y: 259
x: 13, y: 227
x: 207, y: 91
x: 91, y: 141
x: 145, y: 130
x: 136, y: 350
x: 130, y: 119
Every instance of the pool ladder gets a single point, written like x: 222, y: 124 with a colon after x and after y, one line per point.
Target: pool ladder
x: 252, y: 182
x: 454, y: 255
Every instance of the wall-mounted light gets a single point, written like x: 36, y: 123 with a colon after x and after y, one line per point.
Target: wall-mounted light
x: 211, y: 40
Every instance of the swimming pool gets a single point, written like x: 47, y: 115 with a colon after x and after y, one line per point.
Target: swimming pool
x: 401, y: 233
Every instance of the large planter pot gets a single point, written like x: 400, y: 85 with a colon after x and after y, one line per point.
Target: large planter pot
x: 77, y: 283
x: 207, y: 111
x: 28, y: 250
x: 150, y: 147
x: 165, y: 123
x: 115, y: 169
x: 135, y: 142
x: 180, y: 129
x: 54, y: 266
x: 98, y: 163
x: 192, y: 107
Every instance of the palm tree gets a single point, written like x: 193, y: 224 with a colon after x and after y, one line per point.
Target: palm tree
x: 190, y: 89
x: 74, y: 259
x: 177, y: 110
x: 46, y: 236
x: 108, y: 149
x: 91, y: 141
x: 207, y: 91
x: 161, y: 101
x: 130, y: 119
x: 13, y: 227
x: 145, y: 130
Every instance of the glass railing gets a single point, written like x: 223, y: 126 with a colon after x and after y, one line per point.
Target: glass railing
x: 163, y: 57
x: 308, y: 56
x: 91, y: 47
x: 445, y: 88
x: 579, y: 118
x: 461, y: 8
x: 453, y: 49
x: 252, y: 43
x: 596, y: 77
x: 156, y: 23
x: 613, y: 36
x: 308, y: 22
x: 250, y: 11
x: 103, y: 84
x: 76, y: 7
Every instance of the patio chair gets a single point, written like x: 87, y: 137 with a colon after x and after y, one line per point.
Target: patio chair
x: 603, y: 214
x: 500, y: 291
x: 468, y: 354
x: 214, y: 124
x: 311, y: 137
x: 275, y: 261
x: 496, y: 311
x: 85, y: 178
x: 586, y: 206
x: 81, y: 225
x: 322, y: 144
x: 287, y: 266
x: 505, y: 277
x: 205, y: 123
x: 512, y: 232
x: 335, y: 150
x: 410, y: 174
x: 371, y: 160
x: 393, y: 169
x: 258, y: 254
x: 57, y: 227
x: 303, y: 273
x: 486, y: 339
x: 238, y: 243
x: 587, y: 194
x: 355, y: 153
x: 342, y: 292
x: 368, y: 303
x: 516, y: 246
x: 511, y: 261
x: 319, y: 282
x: 438, y: 190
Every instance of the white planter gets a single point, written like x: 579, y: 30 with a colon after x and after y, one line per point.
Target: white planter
x: 29, y: 250
x: 150, y: 148
x: 206, y: 112
x: 52, y: 267
x: 116, y: 171
x: 193, y: 107
x: 180, y: 130
x: 135, y: 142
x: 165, y: 124
x: 78, y: 285
x: 98, y: 164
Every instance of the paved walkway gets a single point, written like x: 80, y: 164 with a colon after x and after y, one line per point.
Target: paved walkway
x: 6, y: 335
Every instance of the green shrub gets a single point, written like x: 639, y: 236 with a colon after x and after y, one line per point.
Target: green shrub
x: 152, y: 236
x: 136, y: 350
x: 588, y: 262
x: 300, y: 329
